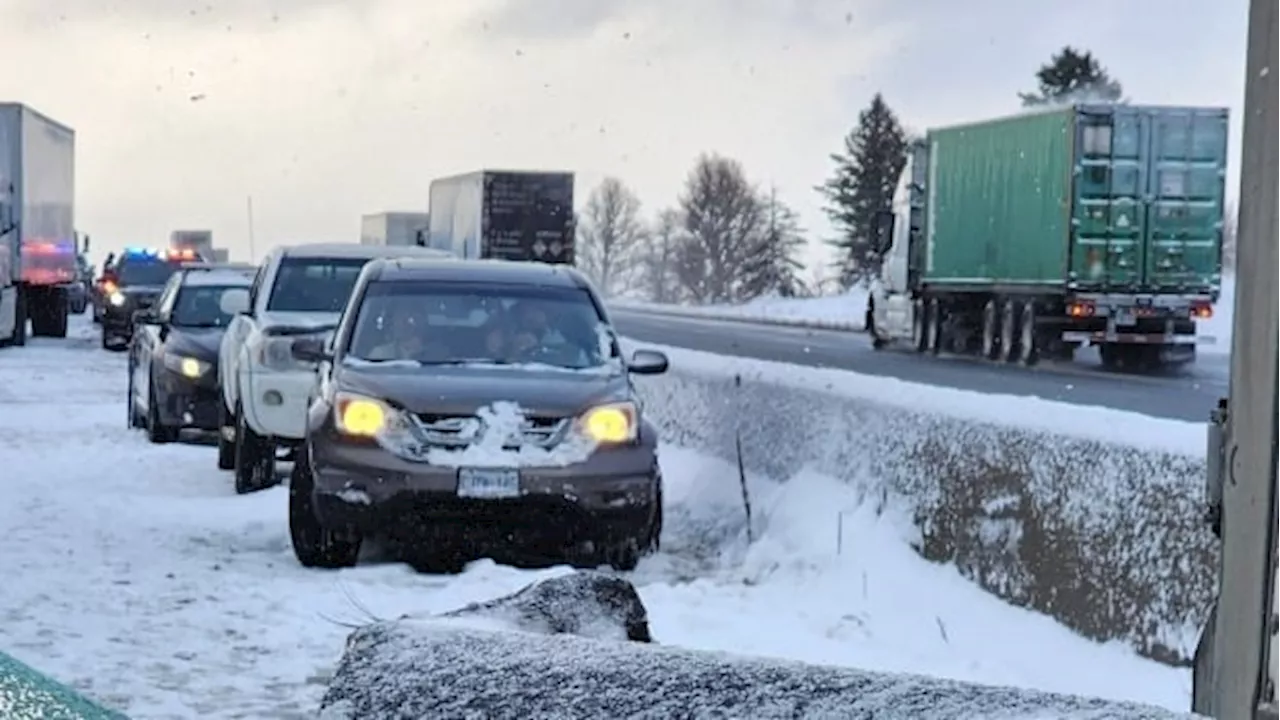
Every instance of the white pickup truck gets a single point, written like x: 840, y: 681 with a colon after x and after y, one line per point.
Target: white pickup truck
x: 299, y: 290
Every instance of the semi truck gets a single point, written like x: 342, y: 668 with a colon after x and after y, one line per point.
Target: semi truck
x: 198, y: 241
x: 38, y: 254
x: 1033, y: 235
x: 504, y: 215
x: 393, y: 229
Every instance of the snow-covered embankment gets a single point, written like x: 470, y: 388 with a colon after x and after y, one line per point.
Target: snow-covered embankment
x: 1090, y: 515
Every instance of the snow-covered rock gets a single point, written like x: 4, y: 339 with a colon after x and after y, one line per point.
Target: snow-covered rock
x: 441, y: 669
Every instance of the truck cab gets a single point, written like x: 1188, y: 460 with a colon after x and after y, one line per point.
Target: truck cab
x: 894, y: 309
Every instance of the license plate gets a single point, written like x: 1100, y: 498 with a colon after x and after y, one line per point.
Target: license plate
x: 488, y: 483
x: 1125, y: 319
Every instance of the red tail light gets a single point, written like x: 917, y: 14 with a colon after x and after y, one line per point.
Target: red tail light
x: 1080, y: 309
x: 1202, y: 311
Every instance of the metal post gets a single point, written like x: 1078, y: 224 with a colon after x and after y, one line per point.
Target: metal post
x: 1236, y: 678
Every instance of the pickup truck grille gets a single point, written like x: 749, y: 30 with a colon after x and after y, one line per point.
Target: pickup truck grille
x: 458, y: 431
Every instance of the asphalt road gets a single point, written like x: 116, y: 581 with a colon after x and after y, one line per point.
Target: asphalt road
x: 1187, y: 393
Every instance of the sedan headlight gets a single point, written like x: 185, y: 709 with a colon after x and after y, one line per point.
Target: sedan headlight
x: 610, y: 424
x: 117, y: 298
x: 186, y: 366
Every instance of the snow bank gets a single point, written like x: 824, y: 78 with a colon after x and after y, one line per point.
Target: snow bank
x: 846, y: 311
x: 426, y: 670
x: 1090, y: 515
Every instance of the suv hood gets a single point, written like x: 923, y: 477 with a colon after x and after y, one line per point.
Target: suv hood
x: 463, y: 390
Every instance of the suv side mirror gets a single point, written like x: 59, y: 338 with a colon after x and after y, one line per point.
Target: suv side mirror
x: 648, y: 362
x: 882, y: 232
x: 309, y: 349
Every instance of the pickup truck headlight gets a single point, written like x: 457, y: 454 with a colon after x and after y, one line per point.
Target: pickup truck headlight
x: 276, y: 353
x: 186, y: 366
x: 610, y: 424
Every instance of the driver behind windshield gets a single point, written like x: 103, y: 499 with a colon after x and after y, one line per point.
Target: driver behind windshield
x: 200, y: 307
x: 406, y: 336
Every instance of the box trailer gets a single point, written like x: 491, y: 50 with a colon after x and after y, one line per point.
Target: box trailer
x: 38, y: 253
x: 198, y: 241
x: 504, y: 215
x: 1036, y: 234
x: 394, y: 229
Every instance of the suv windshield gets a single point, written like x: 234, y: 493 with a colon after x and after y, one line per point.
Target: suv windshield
x: 448, y: 323
x: 201, y: 306
x: 145, y: 272
x: 314, y: 284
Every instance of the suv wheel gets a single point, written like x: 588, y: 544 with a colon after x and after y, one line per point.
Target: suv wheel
x: 157, y: 432
x: 254, y: 458
x: 315, y: 545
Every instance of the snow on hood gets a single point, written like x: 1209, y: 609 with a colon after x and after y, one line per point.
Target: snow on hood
x: 272, y: 318
x: 442, y: 670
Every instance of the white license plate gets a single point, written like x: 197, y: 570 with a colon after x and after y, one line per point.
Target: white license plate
x: 488, y: 483
x: 1125, y: 319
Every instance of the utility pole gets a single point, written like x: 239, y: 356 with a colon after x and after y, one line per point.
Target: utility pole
x: 253, y: 250
x: 1235, y: 666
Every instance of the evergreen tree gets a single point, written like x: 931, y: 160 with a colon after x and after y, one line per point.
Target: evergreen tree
x: 1072, y: 76
x: 861, y: 185
x: 773, y: 268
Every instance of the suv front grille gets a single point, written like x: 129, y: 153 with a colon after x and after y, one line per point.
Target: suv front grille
x: 458, y: 431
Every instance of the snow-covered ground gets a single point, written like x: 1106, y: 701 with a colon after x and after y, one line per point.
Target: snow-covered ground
x: 136, y: 574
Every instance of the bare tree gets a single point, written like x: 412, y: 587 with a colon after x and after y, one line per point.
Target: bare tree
x: 723, y: 220
x: 773, y: 266
x: 610, y: 236
x: 658, y: 257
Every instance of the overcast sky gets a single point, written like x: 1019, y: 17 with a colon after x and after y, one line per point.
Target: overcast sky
x: 322, y: 110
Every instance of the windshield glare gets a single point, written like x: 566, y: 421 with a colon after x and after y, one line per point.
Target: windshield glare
x: 201, y: 306
x: 145, y: 272
x: 433, y: 323
x: 314, y: 284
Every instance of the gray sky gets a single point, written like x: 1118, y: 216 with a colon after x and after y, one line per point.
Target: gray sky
x: 323, y: 110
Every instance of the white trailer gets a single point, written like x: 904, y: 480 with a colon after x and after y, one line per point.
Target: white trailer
x: 394, y: 229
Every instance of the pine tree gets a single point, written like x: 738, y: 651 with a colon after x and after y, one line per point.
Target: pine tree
x: 773, y: 268
x: 1072, y: 76
x: 861, y: 185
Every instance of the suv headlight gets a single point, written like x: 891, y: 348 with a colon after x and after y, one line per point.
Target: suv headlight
x: 186, y: 366
x: 610, y: 424
x: 117, y: 298
x: 366, y: 417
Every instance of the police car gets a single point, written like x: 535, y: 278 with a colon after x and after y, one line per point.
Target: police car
x: 133, y: 283
x: 173, y: 355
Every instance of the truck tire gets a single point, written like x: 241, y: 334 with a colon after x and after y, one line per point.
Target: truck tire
x: 1028, y: 343
x: 21, y: 316
x: 1008, y: 328
x: 919, y: 325
x: 990, y: 346
x: 314, y: 545
x: 936, y: 337
x: 255, y: 458
x: 49, y: 312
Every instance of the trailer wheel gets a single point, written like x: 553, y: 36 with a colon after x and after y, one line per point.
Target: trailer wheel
x: 936, y: 338
x: 1028, y: 348
x: 1008, y: 323
x: 990, y: 338
x: 919, y: 323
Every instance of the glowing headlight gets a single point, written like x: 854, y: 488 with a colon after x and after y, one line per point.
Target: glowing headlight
x: 116, y: 298
x: 614, y: 423
x: 360, y: 416
x: 187, y: 366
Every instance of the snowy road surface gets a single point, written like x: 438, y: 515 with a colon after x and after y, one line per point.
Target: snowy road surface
x: 134, y: 573
x: 1182, y: 394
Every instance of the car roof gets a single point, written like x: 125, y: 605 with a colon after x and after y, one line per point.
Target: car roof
x: 216, y: 278
x: 511, y: 272
x: 356, y: 251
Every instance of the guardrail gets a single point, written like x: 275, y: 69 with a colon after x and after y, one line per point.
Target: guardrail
x: 1107, y: 536
x: 721, y: 315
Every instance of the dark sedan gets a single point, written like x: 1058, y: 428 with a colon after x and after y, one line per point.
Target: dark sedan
x: 476, y: 408
x: 173, y: 377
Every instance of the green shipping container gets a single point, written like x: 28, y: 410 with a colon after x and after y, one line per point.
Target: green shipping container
x: 1090, y: 198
